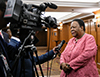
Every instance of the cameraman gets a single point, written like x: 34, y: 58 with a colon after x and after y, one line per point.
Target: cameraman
x: 7, y: 50
x: 25, y: 67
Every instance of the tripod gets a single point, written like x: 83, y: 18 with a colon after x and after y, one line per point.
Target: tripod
x: 21, y: 55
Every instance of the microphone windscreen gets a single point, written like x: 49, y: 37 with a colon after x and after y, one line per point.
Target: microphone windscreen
x: 51, y: 5
x: 61, y: 44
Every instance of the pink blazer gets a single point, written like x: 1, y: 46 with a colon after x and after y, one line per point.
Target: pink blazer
x: 81, y: 57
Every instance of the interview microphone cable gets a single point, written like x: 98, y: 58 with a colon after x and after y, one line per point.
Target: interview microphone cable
x: 48, y: 51
x: 51, y: 65
x: 57, y: 49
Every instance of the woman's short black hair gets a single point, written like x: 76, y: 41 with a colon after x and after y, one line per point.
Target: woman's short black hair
x: 3, y: 5
x: 81, y: 23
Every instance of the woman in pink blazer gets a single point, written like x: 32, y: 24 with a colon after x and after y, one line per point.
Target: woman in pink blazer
x: 78, y: 58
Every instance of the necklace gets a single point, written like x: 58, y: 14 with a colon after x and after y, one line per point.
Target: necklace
x: 79, y: 38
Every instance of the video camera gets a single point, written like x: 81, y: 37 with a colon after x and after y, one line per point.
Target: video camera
x: 29, y: 16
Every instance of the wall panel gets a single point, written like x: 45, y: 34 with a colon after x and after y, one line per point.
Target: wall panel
x: 42, y: 36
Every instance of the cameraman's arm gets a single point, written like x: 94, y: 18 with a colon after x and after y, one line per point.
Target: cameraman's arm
x: 46, y: 57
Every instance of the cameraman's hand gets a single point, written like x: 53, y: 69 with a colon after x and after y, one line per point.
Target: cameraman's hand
x: 54, y: 49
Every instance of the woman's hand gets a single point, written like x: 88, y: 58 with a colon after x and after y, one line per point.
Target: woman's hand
x: 65, y: 67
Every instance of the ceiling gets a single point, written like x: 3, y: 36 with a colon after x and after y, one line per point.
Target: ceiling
x: 69, y: 9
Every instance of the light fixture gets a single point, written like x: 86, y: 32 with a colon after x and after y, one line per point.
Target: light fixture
x: 58, y: 27
x: 86, y: 24
x: 97, y: 18
x: 45, y: 29
x: 54, y: 29
x: 61, y: 25
x: 94, y: 20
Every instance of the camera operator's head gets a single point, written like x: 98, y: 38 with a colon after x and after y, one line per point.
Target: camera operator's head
x: 3, y: 23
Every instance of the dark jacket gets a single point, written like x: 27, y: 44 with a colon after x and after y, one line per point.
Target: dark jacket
x: 6, y: 36
x: 8, y: 50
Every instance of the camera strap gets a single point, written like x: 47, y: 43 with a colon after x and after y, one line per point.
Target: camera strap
x: 6, y: 67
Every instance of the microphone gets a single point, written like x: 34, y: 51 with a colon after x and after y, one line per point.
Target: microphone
x: 51, y: 5
x: 57, y: 49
